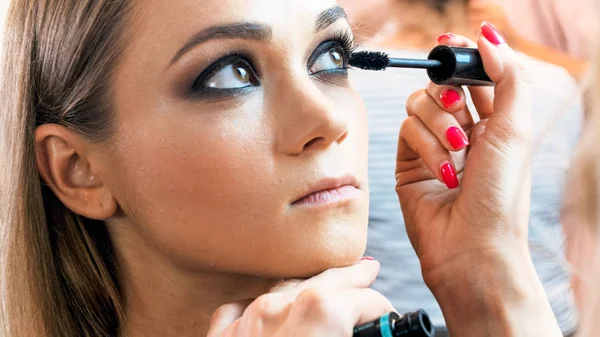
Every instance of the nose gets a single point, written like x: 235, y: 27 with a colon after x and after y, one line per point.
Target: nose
x: 309, y: 119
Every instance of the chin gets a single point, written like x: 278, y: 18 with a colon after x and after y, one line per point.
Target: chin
x: 334, y: 251
x: 342, y: 244
x: 307, y: 246
x: 336, y: 259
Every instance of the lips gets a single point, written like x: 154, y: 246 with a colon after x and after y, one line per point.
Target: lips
x: 329, y: 190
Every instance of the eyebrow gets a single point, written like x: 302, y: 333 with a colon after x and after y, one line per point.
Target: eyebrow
x: 329, y: 17
x: 252, y: 31
x: 246, y: 31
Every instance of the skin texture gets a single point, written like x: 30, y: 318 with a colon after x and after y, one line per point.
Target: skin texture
x: 198, y: 192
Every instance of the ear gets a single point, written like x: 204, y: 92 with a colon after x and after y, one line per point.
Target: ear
x: 65, y: 167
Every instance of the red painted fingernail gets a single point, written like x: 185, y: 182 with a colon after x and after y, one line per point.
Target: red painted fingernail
x: 449, y: 176
x: 445, y: 37
x: 457, y: 138
x: 367, y: 258
x: 492, y: 34
x: 449, y: 98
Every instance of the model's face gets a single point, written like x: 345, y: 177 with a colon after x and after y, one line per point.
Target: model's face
x: 241, y: 143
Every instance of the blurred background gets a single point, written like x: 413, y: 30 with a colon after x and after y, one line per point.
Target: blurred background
x: 560, y: 32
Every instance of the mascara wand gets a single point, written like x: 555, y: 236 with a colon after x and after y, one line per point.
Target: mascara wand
x: 445, y: 65
x: 369, y: 60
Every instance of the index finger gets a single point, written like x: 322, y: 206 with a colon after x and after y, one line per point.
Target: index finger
x: 482, y: 97
x: 360, y: 275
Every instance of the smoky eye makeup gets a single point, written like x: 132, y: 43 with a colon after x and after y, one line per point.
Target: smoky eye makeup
x: 232, y: 75
x: 235, y: 75
x: 332, y: 56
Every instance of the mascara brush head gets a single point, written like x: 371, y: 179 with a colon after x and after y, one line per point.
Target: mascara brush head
x: 369, y: 60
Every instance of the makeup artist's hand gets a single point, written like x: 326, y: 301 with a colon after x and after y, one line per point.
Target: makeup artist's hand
x: 470, y: 230
x: 329, y: 304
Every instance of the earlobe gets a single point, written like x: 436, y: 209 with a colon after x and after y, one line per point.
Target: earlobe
x: 63, y: 164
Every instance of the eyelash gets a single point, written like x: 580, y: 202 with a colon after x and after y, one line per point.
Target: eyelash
x: 342, y: 40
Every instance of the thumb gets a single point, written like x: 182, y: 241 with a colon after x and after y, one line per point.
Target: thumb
x: 359, y: 275
x: 511, y: 119
x: 504, y: 147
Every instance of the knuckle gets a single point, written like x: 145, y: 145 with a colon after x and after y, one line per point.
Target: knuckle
x: 414, y: 101
x: 265, y: 308
x: 409, y: 124
x: 414, y: 139
x: 314, y: 303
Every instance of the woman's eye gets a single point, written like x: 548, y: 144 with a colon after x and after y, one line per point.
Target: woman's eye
x: 332, y: 59
x: 228, y: 77
x: 232, y: 76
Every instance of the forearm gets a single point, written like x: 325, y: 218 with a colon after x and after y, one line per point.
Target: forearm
x: 501, y: 298
x: 575, y: 66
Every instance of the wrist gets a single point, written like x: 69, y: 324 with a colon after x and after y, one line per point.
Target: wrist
x: 502, y: 296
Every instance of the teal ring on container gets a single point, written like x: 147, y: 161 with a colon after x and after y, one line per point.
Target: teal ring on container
x: 384, y: 326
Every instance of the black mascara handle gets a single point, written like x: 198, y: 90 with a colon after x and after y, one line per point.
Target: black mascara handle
x: 412, y: 324
x: 460, y: 66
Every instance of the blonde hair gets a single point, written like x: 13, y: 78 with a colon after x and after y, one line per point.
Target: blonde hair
x: 587, y: 170
x: 58, y: 275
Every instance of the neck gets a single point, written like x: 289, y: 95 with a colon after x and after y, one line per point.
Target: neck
x: 170, y: 308
x: 162, y: 299
x: 417, y: 25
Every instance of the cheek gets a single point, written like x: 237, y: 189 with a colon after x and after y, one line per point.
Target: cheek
x: 192, y: 178
x: 363, y: 125
x: 359, y: 130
